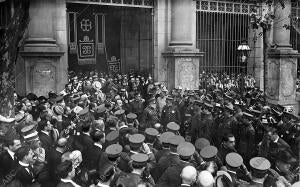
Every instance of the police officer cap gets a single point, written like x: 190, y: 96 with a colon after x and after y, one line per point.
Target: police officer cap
x: 201, y: 143
x: 175, y: 140
x: 131, y: 116
x: 234, y: 160
x: 113, y: 150
x: 165, y: 136
x: 173, y: 127
x: 139, y: 159
x: 136, y: 140
x: 83, y: 112
x: 119, y: 112
x: 112, y: 137
x: 260, y: 163
x: 186, y: 149
x: 208, y: 152
x: 151, y: 132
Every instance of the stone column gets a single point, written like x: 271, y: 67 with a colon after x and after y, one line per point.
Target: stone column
x: 182, y: 16
x: 282, y: 63
x: 182, y: 57
x: 41, y: 54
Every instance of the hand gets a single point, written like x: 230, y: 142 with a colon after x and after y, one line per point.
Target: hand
x: 146, y: 148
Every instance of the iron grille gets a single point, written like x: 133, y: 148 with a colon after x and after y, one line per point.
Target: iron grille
x: 221, y: 27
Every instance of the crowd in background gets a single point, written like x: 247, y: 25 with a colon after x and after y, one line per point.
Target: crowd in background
x: 127, y: 130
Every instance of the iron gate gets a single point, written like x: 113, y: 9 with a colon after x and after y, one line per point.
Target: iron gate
x: 221, y: 27
x: 295, y: 36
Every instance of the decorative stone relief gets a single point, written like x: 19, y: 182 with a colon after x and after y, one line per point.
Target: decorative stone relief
x: 185, y: 73
x: 288, y: 78
x: 272, y: 78
x: 43, y: 78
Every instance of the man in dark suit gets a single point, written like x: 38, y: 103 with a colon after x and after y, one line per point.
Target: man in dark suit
x: 66, y: 172
x: 8, y: 161
x: 87, y: 144
x: 171, y: 176
x: 45, y: 136
x: 25, y: 172
x: 99, y: 139
x: 55, y: 158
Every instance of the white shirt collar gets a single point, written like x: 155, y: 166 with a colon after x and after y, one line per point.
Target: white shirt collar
x: 23, y: 164
x: 276, y: 139
x: 11, y: 154
x: 98, y: 145
x: 47, y: 133
x: 70, y: 181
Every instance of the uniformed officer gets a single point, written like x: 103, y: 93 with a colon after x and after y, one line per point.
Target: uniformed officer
x: 164, y: 150
x: 233, y: 163
x: 173, y: 127
x: 170, y: 113
x: 109, y: 160
x: 135, y: 146
x: 171, y: 158
x: 259, y: 167
x: 150, y: 115
x: 171, y: 176
x: 151, y: 138
x: 138, y: 174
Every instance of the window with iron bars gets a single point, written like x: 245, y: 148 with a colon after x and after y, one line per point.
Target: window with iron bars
x: 295, y: 36
x: 221, y: 27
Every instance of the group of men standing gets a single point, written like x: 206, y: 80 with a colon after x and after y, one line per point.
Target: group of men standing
x: 127, y: 130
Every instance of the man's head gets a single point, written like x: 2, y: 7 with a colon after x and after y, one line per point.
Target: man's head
x: 229, y: 141
x: 98, y: 137
x: 13, y: 144
x: 188, y: 175
x: 25, y: 154
x: 45, y: 125
x: 66, y: 170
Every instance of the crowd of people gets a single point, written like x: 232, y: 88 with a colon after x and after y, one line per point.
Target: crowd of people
x: 126, y: 130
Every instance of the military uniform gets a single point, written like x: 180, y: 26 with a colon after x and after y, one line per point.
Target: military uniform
x: 150, y: 117
x: 133, y: 178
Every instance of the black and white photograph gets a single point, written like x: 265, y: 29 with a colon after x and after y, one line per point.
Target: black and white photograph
x: 149, y: 93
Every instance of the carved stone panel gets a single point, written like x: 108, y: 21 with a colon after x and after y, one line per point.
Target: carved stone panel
x: 288, y: 77
x: 43, y: 78
x: 186, y: 73
x: 272, y: 79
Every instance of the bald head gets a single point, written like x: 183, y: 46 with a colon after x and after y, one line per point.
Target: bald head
x: 206, y: 179
x: 188, y: 174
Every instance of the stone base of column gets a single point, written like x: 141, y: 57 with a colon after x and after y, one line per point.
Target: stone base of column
x: 281, y: 77
x: 183, y: 67
x: 42, y: 60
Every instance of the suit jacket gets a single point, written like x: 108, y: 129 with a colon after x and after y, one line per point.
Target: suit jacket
x: 87, y: 144
x: 95, y: 157
x: 163, y: 164
x: 25, y: 176
x: 7, y: 164
x: 171, y: 177
x: 161, y: 153
x: 53, y: 161
x: 47, y: 142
